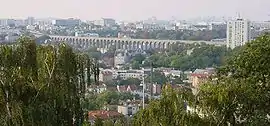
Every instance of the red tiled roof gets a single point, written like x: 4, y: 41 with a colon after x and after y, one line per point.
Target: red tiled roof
x: 103, y: 114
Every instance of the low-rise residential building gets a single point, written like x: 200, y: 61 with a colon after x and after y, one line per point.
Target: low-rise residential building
x: 128, y: 109
x: 198, y: 79
x: 105, y: 76
x: 120, y: 58
x: 199, y: 76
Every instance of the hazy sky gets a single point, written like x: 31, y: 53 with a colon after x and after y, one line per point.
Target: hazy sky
x: 135, y: 9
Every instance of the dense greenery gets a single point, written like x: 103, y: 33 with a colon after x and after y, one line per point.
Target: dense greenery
x: 99, y: 101
x: 238, y: 96
x: 157, y: 77
x: 169, y: 111
x: 189, y: 57
x: 241, y: 95
x: 130, y: 81
x: 137, y: 61
x: 42, y: 85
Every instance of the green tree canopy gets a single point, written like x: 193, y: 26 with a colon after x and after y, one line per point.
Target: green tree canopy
x: 241, y: 94
x: 42, y: 85
x: 238, y: 95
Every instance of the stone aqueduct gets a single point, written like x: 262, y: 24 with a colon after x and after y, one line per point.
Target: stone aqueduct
x: 124, y: 43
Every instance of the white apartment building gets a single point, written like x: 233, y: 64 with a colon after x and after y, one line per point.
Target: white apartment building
x: 238, y: 33
x: 105, y: 22
x: 125, y: 74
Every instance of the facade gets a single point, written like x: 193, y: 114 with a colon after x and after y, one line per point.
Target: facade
x: 105, y: 76
x: 30, y: 27
x: 156, y: 89
x: 120, y: 58
x: 30, y: 21
x: 105, y: 22
x: 217, y: 26
x: 128, y: 110
x: 77, y: 34
x: 198, y: 79
x: 19, y: 22
x: 125, y: 74
x: 199, y: 76
x: 125, y: 43
x: 66, y: 22
x: 7, y: 22
x: 238, y: 33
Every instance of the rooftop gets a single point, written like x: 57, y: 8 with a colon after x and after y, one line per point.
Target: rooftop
x: 103, y: 114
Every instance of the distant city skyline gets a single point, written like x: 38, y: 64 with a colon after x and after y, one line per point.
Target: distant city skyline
x: 135, y: 9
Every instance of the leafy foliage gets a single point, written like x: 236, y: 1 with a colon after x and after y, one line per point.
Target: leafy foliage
x: 241, y: 94
x: 238, y: 95
x: 170, y: 110
x: 42, y: 85
x: 201, y: 56
x: 130, y: 81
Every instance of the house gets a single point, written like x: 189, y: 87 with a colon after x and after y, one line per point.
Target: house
x: 105, y: 76
x: 199, y: 76
x: 129, y: 109
x: 198, y: 79
x: 127, y: 88
x: 103, y: 115
x: 120, y: 58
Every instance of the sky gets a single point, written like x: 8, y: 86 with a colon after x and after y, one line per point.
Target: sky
x: 135, y: 9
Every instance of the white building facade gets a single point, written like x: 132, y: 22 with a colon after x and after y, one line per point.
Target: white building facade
x: 238, y: 33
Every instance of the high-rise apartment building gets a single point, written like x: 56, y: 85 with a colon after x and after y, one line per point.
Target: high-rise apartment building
x: 105, y: 22
x: 238, y: 33
x: 30, y: 21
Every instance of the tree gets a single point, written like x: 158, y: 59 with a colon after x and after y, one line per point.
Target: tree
x: 135, y: 64
x: 98, y: 122
x: 42, y: 85
x: 169, y: 110
x: 139, y: 58
x: 108, y: 123
x: 239, y: 97
x: 158, y: 78
x: 130, y: 81
x: 94, y: 53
